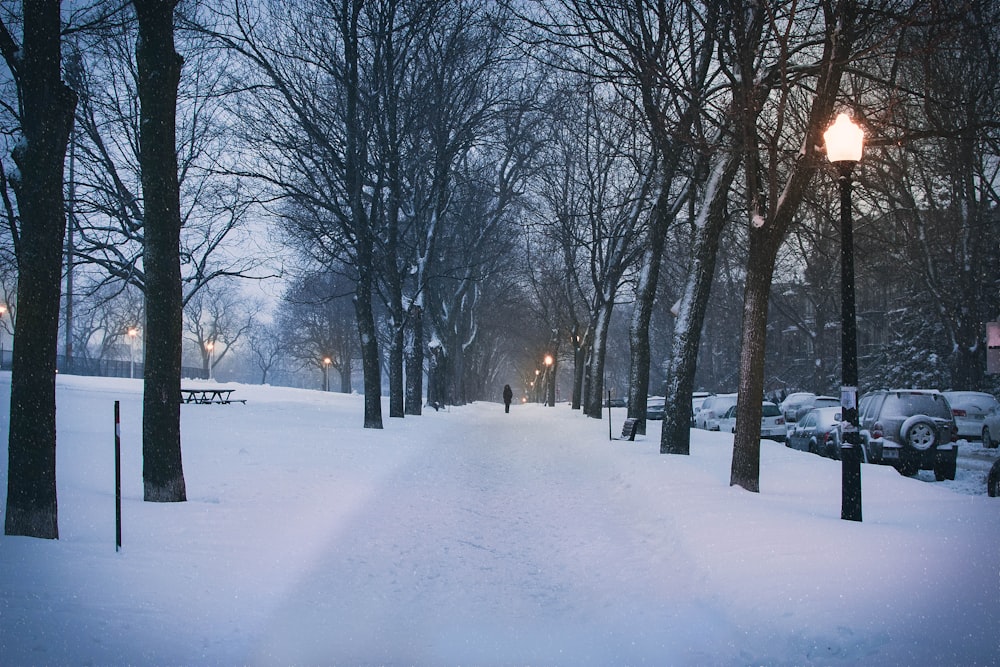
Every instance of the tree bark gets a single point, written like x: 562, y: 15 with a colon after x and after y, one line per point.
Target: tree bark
x: 415, y: 362
x: 675, y: 433
x: 159, y: 68
x: 46, y: 120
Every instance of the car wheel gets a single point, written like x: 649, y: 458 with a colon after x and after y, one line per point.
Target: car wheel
x: 918, y: 432
x: 908, y: 468
x: 945, y: 470
x: 988, y: 441
x: 993, y: 481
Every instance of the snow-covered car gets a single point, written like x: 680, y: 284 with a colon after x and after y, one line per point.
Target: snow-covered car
x: 772, y: 424
x: 970, y: 409
x: 991, y: 428
x: 818, y: 431
x: 790, y: 406
x: 697, y: 398
x: 655, y: 406
x: 815, y: 402
x: 713, y: 408
x: 909, y: 429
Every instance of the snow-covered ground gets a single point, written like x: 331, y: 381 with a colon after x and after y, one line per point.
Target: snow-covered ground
x: 471, y: 536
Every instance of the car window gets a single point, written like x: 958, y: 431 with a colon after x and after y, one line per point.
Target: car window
x: 809, y: 421
x: 906, y: 405
x: 771, y: 410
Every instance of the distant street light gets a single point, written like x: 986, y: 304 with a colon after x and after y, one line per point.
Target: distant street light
x: 844, y: 147
x: 132, y: 333
x: 3, y: 311
x: 210, y: 346
x: 326, y: 373
x: 550, y: 386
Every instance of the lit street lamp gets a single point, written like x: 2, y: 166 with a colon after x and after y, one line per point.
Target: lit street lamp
x: 326, y: 373
x: 210, y: 346
x: 3, y: 311
x: 844, y: 146
x: 132, y: 333
x: 550, y: 385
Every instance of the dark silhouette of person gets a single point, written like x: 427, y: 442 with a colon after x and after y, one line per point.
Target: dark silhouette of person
x: 507, y: 396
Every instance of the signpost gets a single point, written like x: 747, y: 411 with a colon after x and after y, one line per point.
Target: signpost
x: 993, y: 347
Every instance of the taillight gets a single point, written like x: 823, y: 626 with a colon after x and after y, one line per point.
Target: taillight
x: 779, y: 421
x: 957, y: 412
x: 877, y: 430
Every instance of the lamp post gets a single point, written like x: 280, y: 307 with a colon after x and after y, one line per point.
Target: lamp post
x: 3, y: 311
x: 844, y: 146
x: 550, y: 394
x: 210, y: 346
x: 537, y: 384
x: 132, y: 333
x: 326, y: 373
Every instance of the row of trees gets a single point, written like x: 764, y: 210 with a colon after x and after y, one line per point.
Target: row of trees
x: 489, y: 184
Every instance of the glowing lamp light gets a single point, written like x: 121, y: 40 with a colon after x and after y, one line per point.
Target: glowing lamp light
x: 845, y: 141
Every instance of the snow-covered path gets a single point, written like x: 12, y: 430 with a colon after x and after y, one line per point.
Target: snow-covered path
x: 476, y: 537
x: 460, y: 559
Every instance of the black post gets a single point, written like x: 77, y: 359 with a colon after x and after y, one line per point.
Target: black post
x: 850, y: 448
x: 118, y: 477
x: 609, y: 416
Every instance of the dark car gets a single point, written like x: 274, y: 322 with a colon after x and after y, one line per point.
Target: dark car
x: 818, y: 432
x: 655, y: 406
x: 911, y: 430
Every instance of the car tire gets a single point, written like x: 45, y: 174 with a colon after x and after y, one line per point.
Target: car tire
x: 945, y: 470
x: 993, y: 481
x: 919, y: 432
x: 988, y: 441
x: 908, y: 468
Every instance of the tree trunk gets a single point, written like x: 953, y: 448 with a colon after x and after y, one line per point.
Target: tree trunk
x: 593, y: 400
x: 760, y: 267
x: 414, y: 362
x: 675, y: 434
x: 396, y: 366
x: 159, y: 68
x: 370, y: 360
x: 46, y: 120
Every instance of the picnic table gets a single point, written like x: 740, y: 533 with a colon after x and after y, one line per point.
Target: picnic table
x: 204, y: 396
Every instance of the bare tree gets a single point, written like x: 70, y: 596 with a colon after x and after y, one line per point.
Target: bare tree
x: 159, y: 72
x: 45, y: 113
x: 217, y: 318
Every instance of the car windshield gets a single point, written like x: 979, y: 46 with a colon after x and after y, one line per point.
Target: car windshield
x: 977, y: 400
x: 907, y: 405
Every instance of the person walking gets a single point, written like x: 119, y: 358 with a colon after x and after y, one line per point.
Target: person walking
x: 507, y: 396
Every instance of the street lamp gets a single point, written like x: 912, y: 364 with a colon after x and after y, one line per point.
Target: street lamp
x: 132, y: 333
x: 3, y: 311
x: 550, y: 393
x: 844, y: 146
x: 326, y: 373
x: 210, y: 346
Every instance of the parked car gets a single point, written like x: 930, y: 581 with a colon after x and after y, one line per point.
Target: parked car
x: 712, y: 408
x: 655, y: 406
x: 697, y: 398
x: 993, y: 480
x: 991, y: 428
x: 970, y: 409
x: 615, y: 403
x: 911, y: 430
x: 792, y: 403
x: 815, y: 402
x: 818, y: 431
x: 772, y: 424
